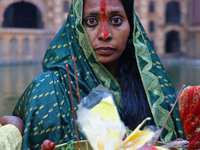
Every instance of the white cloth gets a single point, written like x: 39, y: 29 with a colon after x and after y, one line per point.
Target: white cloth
x: 10, y: 138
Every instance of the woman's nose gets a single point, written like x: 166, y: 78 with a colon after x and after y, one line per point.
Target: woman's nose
x: 104, y: 32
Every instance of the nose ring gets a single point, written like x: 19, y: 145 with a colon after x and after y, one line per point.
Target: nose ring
x: 110, y: 34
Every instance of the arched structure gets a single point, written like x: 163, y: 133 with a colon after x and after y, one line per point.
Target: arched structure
x: 27, y: 27
x: 151, y: 27
x: 173, y: 13
x: 172, y: 44
x: 168, y: 15
x: 22, y: 15
x: 40, y: 5
x: 151, y: 7
x: 186, y: 23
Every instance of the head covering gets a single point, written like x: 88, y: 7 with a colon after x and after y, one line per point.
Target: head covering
x: 45, y: 105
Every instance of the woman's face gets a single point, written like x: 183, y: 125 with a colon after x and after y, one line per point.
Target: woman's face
x: 108, y: 28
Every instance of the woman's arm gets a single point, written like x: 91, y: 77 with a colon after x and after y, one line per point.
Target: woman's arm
x: 16, y: 121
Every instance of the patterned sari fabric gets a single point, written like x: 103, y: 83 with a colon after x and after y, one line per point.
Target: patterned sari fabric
x: 45, y: 105
x: 190, y: 114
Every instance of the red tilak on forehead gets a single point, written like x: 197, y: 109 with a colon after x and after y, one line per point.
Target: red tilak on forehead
x: 103, y: 9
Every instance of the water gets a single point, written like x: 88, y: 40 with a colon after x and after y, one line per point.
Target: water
x: 15, y: 79
x: 13, y: 82
x: 183, y: 73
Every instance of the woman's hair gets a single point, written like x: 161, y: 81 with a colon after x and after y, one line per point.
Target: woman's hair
x: 128, y: 7
x: 135, y: 105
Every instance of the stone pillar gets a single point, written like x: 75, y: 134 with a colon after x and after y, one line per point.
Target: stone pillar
x: 184, y: 21
x: 2, y: 11
x: 49, y: 14
x: 197, y: 47
x: 137, y: 8
x: 32, y: 47
x: 7, y: 82
x: 196, y: 12
x: 1, y: 19
x: 20, y: 81
x: 7, y: 41
x: 32, y: 40
x: 192, y: 45
x: 58, y: 12
x: 144, y: 13
x: 160, y: 25
x: 20, y: 52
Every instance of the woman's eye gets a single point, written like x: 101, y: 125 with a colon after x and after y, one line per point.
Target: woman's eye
x: 116, y: 21
x: 91, y: 22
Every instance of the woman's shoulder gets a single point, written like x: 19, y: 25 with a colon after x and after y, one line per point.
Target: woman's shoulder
x: 45, y: 79
x: 41, y: 91
x: 43, y: 76
x: 43, y: 83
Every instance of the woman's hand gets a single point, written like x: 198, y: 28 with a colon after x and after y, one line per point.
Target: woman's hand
x: 16, y: 121
x: 48, y: 145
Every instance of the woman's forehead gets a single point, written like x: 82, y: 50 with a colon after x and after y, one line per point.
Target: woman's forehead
x: 102, y: 6
x: 99, y: 2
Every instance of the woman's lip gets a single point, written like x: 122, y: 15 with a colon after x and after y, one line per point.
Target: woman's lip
x: 105, y: 51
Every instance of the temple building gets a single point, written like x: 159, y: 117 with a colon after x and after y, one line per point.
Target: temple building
x: 28, y: 26
x: 172, y: 25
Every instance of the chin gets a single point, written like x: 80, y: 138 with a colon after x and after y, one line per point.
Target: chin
x: 109, y: 63
x: 105, y: 62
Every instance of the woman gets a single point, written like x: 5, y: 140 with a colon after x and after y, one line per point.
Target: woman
x: 189, y: 106
x: 110, y: 48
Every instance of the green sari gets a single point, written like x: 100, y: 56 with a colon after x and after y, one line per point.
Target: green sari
x: 45, y: 105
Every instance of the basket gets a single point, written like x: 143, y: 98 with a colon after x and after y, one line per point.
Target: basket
x: 84, y: 145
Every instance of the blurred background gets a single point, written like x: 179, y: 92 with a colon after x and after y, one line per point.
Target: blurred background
x: 28, y: 26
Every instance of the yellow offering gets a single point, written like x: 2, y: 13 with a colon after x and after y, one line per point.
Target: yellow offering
x: 138, y: 137
x: 99, y: 120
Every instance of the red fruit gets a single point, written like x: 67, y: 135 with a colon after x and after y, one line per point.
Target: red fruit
x: 48, y: 145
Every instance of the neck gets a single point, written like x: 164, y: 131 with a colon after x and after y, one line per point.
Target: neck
x: 112, y: 68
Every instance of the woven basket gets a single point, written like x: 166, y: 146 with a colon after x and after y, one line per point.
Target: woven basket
x: 84, y: 145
